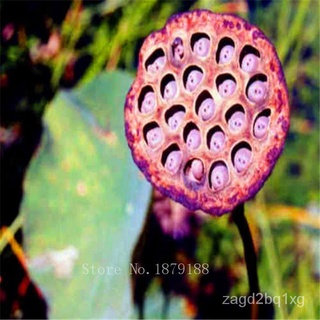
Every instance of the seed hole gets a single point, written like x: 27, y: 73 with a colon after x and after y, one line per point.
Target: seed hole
x: 241, y: 156
x: 249, y: 59
x: 147, y: 100
x: 236, y: 119
x: 192, y: 78
x: 261, y: 124
x: 225, y: 50
x: 171, y: 158
x: 200, y: 44
x: 156, y: 61
x: 168, y: 87
x: 194, y: 170
x: 177, y: 49
x: 216, y: 139
x: 192, y: 136
x: 226, y: 85
x: 205, y: 106
x: 152, y: 134
x: 256, y: 89
x: 174, y: 116
x: 218, y: 175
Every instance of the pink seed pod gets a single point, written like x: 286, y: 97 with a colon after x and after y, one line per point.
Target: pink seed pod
x: 154, y: 137
x: 196, y: 171
x: 226, y: 54
x: 175, y: 120
x: 227, y: 88
x: 157, y: 65
x: 261, y: 126
x: 242, y: 159
x: 250, y: 62
x: 237, y: 121
x: 217, y: 141
x: 173, y: 161
x: 257, y: 91
x: 201, y: 47
x: 170, y: 90
x: 219, y: 177
x: 193, y: 139
x: 149, y: 102
x: 207, y: 108
x: 194, y: 79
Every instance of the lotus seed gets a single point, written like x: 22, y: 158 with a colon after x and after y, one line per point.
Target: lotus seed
x: 173, y: 161
x: 148, y: 103
x: 154, y: 137
x: 226, y: 54
x: 194, y: 78
x: 157, y: 65
x: 242, y: 159
x: 196, y: 170
x: 207, y: 109
x: 250, y: 63
x: 257, y: 91
x: 193, y: 139
x: 227, y: 88
x: 261, y: 126
x: 217, y: 141
x: 237, y: 121
x: 170, y: 90
x: 219, y: 177
x: 201, y: 47
x: 175, y: 120
x: 177, y: 48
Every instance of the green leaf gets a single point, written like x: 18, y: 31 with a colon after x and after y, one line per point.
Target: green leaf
x: 85, y: 203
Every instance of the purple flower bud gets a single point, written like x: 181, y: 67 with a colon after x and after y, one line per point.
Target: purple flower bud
x: 250, y: 63
x: 170, y: 90
x: 201, y: 47
x: 217, y: 141
x: 193, y: 139
x: 197, y: 170
x: 154, y: 137
x: 219, y: 177
x: 237, y: 121
x: 207, y: 109
x: 242, y: 159
x: 226, y: 54
x: 173, y: 161
x: 175, y: 120
x: 157, y: 65
x: 261, y: 126
x: 257, y: 91
x: 148, y: 103
x: 227, y: 88
x: 194, y: 78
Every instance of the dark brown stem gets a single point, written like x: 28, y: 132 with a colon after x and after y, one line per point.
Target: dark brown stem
x: 249, y: 252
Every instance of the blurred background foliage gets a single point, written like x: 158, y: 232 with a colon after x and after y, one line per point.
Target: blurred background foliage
x: 52, y: 57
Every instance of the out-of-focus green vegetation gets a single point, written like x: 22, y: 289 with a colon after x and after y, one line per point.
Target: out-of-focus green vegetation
x: 284, y: 216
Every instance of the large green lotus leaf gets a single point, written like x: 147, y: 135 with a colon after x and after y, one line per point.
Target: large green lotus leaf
x: 85, y: 203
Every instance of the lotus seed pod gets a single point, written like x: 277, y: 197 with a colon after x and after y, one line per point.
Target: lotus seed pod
x: 250, y: 63
x: 170, y: 90
x: 257, y: 91
x: 261, y: 126
x: 197, y: 169
x: 226, y: 54
x: 219, y: 177
x: 148, y: 103
x: 157, y: 65
x: 237, y: 121
x: 173, y: 161
x: 154, y: 137
x: 178, y: 50
x: 175, y: 120
x: 194, y: 79
x: 207, y: 109
x: 242, y: 159
x: 201, y: 47
x: 227, y: 88
x: 217, y: 141
x: 193, y: 139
